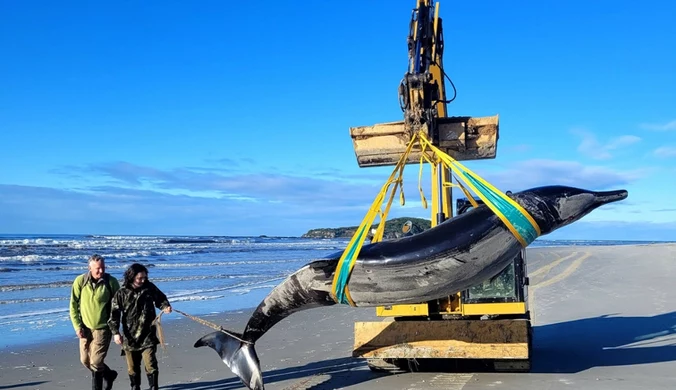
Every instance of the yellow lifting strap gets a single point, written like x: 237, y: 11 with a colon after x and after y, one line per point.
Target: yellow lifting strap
x: 516, y: 218
x: 339, y: 290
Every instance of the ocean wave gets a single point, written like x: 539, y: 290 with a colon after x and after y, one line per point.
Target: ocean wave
x: 249, y: 285
x: 32, y: 314
x: 32, y: 300
x: 126, y: 238
x: 69, y: 283
x: 36, y: 241
x: 80, y: 252
x: 15, y: 246
x: 42, y: 265
x: 227, y: 263
x: 33, y: 258
x: 244, y: 291
x: 190, y: 241
x: 121, y: 241
x: 33, y: 286
x: 188, y: 295
x: 196, y: 298
x: 203, y: 277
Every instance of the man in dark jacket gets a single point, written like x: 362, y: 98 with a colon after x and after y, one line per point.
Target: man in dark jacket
x: 90, y: 302
x: 134, y: 307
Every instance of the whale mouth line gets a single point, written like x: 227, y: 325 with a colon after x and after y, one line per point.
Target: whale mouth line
x: 606, y: 197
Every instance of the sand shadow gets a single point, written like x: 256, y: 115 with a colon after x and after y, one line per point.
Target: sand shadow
x: 574, y: 346
x: 327, y: 374
x: 565, y: 347
x: 19, y: 385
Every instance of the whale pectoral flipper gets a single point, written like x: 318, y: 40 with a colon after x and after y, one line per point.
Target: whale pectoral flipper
x: 239, y: 356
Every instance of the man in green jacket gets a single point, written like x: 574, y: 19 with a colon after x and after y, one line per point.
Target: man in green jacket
x: 90, y: 302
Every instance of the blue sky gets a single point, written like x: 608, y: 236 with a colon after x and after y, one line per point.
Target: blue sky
x: 216, y: 117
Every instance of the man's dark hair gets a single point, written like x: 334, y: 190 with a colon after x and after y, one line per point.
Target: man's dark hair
x: 131, y: 273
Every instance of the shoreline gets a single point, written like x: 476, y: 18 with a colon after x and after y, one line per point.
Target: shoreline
x: 56, y: 326
x: 592, y: 329
x: 167, y: 320
x: 56, y: 365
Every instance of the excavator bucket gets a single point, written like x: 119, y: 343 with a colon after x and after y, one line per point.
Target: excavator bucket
x: 461, y: 137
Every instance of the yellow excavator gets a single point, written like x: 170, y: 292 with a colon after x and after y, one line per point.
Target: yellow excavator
x: 490, y: 322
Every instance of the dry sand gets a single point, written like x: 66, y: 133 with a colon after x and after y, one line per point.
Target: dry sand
x: 604, y: 318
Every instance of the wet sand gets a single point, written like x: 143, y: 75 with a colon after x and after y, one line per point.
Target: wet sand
x: 604, y: 318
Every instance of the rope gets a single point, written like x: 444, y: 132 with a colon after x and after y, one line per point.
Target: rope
x: 211, y: 325
x: 160, y: 333
x: 160, y: 336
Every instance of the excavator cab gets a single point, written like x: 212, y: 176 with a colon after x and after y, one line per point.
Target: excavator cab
x: 488, y: 325
x: 509, y: 286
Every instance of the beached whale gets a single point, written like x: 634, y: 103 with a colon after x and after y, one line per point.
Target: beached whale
x: 454, y: 255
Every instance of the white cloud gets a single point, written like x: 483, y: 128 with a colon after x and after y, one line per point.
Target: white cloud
x: 539, y: 172
x: 659, y: 127
x: 622, y: 141
x: 146, y: 200
x: 591, y: 147
x: 113, y: 210
x: 665, y: 151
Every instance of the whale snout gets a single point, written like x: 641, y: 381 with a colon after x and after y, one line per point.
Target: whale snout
x: 605, y: 197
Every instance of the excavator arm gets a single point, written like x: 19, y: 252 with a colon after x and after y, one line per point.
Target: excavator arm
x: 422, y: 97
x: 421, y: 92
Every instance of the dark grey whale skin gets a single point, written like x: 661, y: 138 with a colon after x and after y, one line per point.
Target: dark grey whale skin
x: 438, y: 262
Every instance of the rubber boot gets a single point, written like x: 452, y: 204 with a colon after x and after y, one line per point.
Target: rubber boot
x: 109, y: 377
x: 97, y: 380
x: 153, y: 380
x: 135, y: 381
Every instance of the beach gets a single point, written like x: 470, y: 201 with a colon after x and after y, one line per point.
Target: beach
x: 604, y: 317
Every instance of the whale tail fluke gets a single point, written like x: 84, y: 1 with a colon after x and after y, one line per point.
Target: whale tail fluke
x: 239, y: 356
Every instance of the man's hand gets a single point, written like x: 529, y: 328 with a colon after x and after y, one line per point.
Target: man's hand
x: 80, y: 333
x: 118, y: 339
x: 167, y: 309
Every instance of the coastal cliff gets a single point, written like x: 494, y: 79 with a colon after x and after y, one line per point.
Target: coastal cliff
x: 393, y: 229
